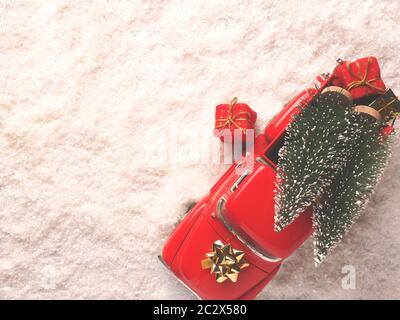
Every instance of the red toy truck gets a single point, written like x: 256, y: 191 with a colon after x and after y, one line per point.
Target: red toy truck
x: 239, y: 211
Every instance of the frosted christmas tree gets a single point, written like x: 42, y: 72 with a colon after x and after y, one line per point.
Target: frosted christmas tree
x: 332, y: 158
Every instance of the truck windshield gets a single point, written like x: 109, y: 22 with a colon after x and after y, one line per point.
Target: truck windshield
x: 273, y: 151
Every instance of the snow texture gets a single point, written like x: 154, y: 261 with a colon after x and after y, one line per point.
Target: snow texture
x: 92, y: 94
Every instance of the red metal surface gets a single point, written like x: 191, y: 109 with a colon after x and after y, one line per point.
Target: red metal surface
x: 250, y: 211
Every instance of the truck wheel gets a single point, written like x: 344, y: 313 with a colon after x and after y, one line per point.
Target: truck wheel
x: 339, y: 90
x: 189, y: 206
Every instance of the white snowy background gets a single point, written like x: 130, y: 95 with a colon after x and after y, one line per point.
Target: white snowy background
x: 91, y: 96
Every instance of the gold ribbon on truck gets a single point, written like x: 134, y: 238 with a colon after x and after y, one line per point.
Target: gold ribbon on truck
x: 224, y: 261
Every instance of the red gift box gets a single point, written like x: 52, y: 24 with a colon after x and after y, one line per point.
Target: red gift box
x: 387, y: 131
x: 361, y: 77
x: 235, y: 117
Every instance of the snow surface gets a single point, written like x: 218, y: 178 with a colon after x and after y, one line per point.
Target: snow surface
x: 93, y: 92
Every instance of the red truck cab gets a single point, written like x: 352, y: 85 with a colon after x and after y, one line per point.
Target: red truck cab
x: 239, y: 210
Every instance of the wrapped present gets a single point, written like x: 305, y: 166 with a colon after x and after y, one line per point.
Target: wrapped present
x: 387, y: 131
x: 388, y: 106
x: 361, y: 78
x: 234, y: 118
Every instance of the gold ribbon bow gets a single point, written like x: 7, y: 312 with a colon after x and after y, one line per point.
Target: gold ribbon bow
x: 224, y: 261
x: 231, y: 119
x: 362, y: 80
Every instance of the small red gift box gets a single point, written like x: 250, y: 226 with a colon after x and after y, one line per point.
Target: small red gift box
x: 387, y: 131
x: 235, y: 117
x: 361, y: 77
